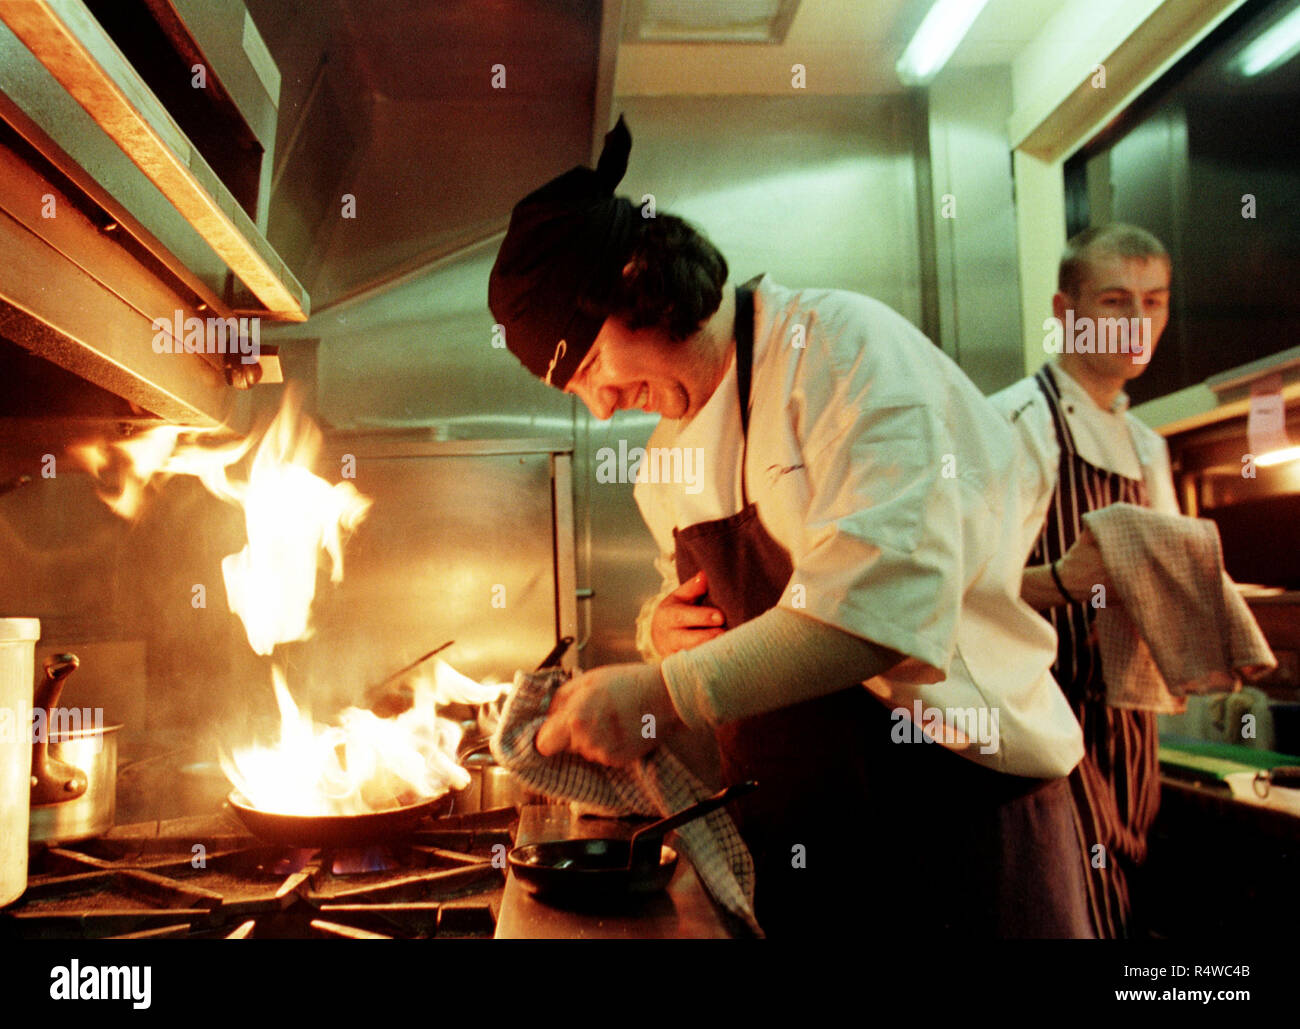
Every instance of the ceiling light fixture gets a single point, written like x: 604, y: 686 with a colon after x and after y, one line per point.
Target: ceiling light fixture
x: 718, y: 21
x: 943, y: 29
x: 1273, y: 48
x: 1277, y: 457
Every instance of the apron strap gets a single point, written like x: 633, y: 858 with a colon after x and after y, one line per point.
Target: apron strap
x: 744, y: 373
x: 1052, y: 391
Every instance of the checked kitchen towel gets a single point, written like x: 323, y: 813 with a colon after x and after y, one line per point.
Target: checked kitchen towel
x: 1180, y: 627
x: 659, y: 784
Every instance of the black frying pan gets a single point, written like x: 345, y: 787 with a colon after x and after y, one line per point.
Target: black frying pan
x: 606, y: 868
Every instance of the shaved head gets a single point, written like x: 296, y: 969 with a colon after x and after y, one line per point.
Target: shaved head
x: 1104, y: 241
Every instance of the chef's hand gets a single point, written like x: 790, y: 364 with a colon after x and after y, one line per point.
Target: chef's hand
x: 612, y: 715
x: 1081, y: 569
x: 681, y: 621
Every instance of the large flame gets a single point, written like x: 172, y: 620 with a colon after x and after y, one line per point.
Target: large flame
x: 162, y: 452
x: 364, y: 763
x: 291, y: 515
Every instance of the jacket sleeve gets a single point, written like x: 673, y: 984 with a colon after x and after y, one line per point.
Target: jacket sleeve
x: 895, y: 478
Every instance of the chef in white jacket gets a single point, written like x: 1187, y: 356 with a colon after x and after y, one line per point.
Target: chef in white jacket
x: 843, y: 577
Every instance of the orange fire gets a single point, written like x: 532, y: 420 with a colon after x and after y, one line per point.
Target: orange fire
x: 365, y: 763
x: 292, y: 516
x: 164, y: 451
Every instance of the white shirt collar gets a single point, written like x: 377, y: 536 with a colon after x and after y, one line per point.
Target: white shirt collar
x: 1071, y: 389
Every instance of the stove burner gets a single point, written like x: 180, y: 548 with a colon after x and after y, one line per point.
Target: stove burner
x: 197, y: 878
x: 370, y: 859
x: 343, y: 860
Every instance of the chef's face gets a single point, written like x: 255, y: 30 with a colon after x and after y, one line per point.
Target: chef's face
x: 645, y: 370
x: 1120, y: 287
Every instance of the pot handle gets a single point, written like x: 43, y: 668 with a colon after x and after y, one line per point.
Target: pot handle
x: 53, y: 781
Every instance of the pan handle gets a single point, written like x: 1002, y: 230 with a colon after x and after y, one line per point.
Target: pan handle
x: 551, y: 660
x: 645, y: 836
x: 53, y: 781
x: 557, y: 652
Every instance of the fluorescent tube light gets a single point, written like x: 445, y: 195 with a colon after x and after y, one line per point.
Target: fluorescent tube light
x: 1275, y: 47
x: 1278, y: 456
x: 944, y: 27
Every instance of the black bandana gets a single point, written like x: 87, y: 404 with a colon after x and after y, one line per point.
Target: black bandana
x: 566, y: 240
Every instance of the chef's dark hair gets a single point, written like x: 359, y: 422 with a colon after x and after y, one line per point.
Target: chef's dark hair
x: 1114, y: 240
x: 671, y: 279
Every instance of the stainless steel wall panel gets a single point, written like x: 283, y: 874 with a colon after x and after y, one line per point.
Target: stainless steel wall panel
x: 456, y: 546
x: 974, y: 226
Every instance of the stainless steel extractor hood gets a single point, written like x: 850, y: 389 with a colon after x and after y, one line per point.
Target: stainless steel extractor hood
x: 123, y: 216
x: 177, y: 198
x: 433, y: 118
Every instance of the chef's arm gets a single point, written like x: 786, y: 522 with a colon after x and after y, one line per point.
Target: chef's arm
x: 1077, y: 574
x: 1039, y: 590
x: 772, y: 661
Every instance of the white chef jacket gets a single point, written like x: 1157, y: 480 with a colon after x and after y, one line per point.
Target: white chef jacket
x: 896, y: 488
x: 1113, y: 440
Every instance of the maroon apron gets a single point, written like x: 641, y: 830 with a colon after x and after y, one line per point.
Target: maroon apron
x: 850, y: 829
x: 803, y: 795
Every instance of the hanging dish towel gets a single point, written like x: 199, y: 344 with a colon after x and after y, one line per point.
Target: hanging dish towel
x: 658, y: 784
x: 1180, y: 626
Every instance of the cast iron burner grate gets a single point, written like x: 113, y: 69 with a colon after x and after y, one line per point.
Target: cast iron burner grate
x: 207, y: 878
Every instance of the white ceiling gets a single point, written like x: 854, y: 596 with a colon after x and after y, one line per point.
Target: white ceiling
x: 846, y: 46
x: 1002, y: 29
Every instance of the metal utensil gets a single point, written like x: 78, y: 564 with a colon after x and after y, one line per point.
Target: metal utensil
x: 492, y: 786
x: 376, y: 687
x: 478, y: 743
x: 18, y: 638
x: 53, y: 781
x: 552, y: 659
x: 343, y: 830
x: 645, y: 840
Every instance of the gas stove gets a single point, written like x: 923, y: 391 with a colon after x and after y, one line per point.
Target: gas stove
x: 208, y: 878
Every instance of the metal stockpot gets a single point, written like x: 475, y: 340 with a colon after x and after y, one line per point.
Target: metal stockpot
x: 18, y: 638
x: 73, y: 771
x: 94, y: 753
x: 491, y: 786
